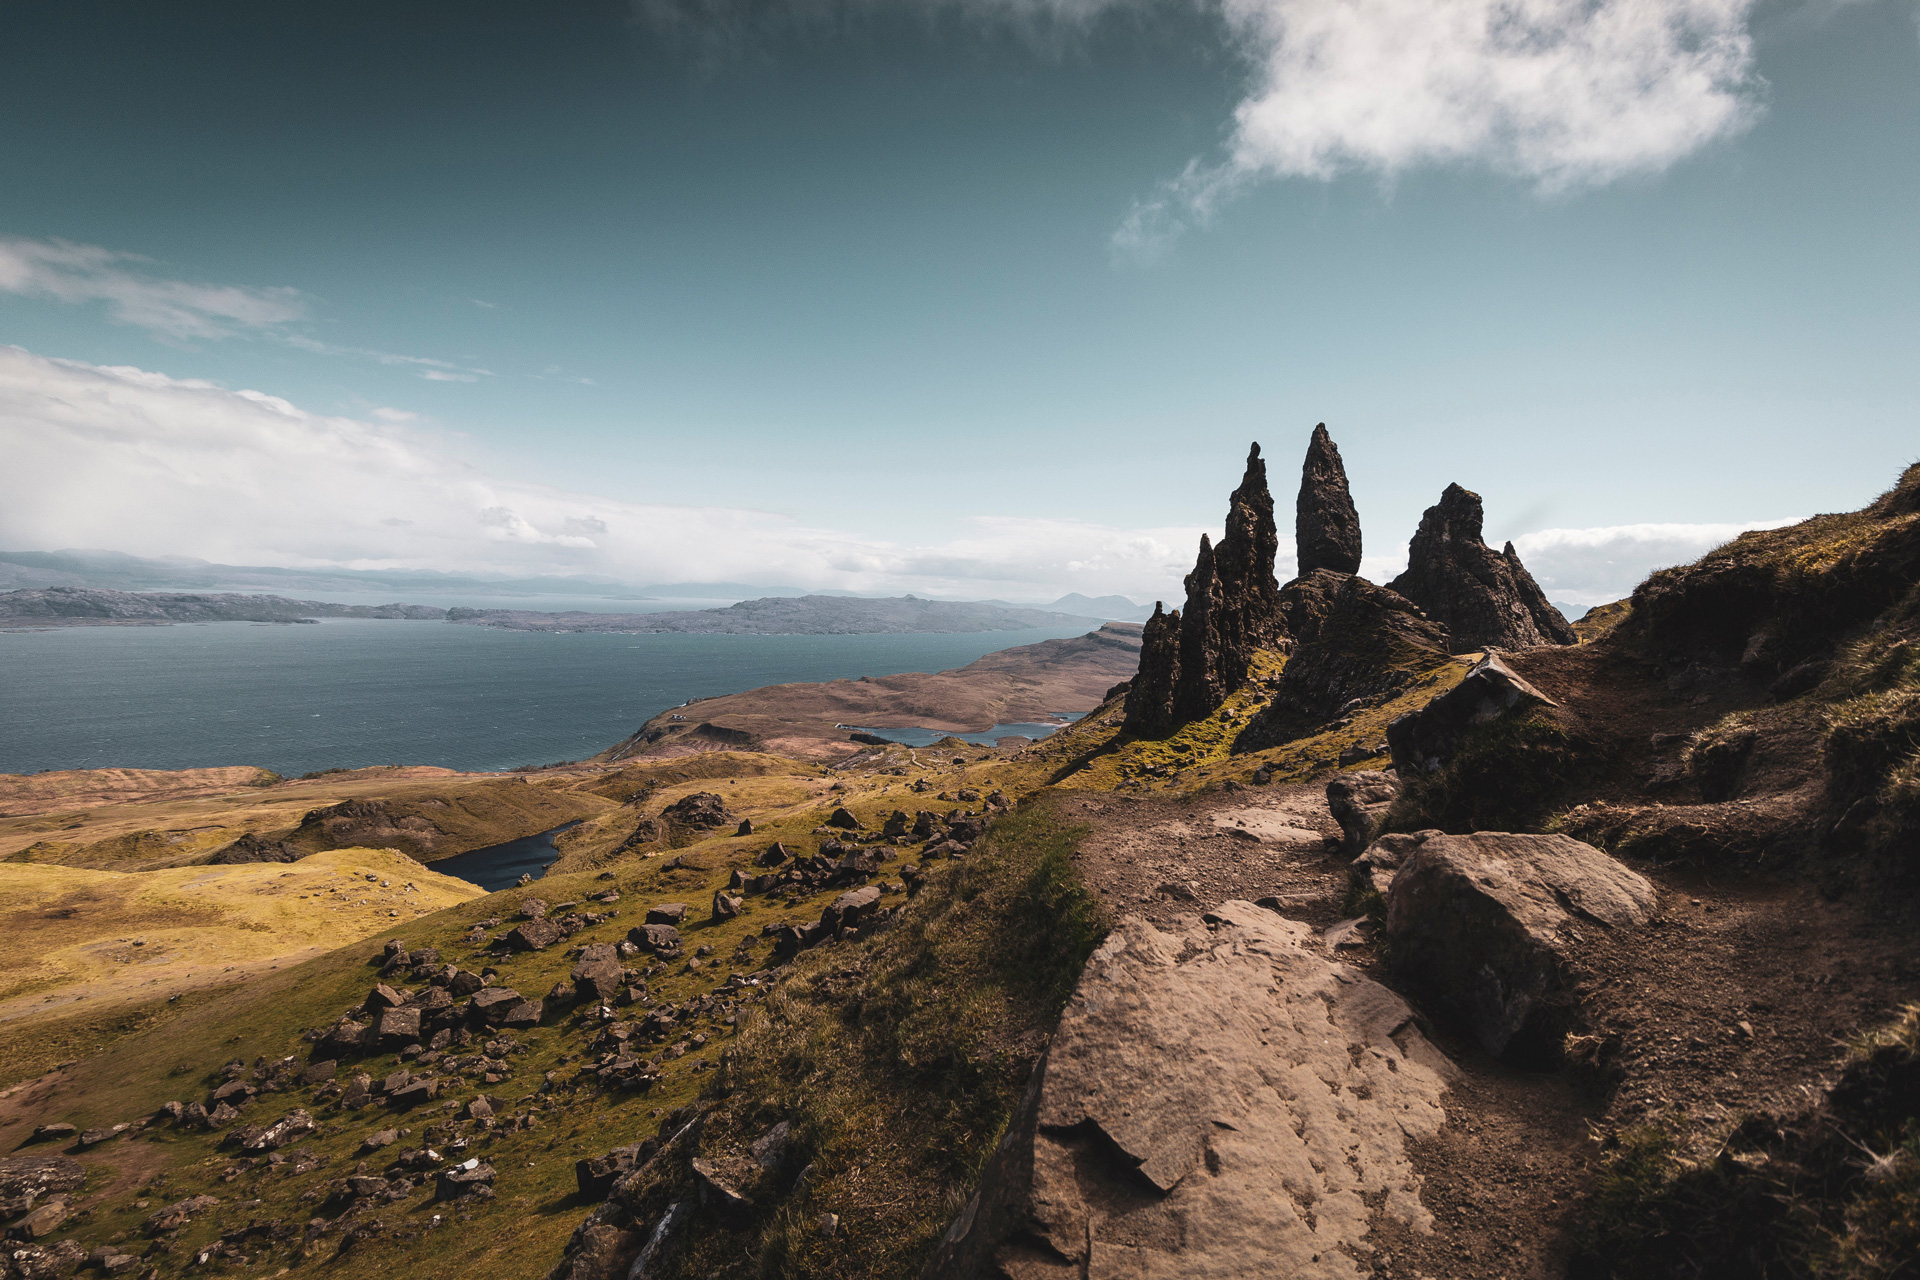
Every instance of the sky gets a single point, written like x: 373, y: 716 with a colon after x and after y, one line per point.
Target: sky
x: 970, y: 298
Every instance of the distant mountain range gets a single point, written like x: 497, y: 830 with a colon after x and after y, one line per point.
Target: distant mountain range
x: 770, y: 615
x: 117, y: 571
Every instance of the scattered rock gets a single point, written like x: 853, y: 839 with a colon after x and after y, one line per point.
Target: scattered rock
x: 667, y: 913
x: 463, y: 1180
x: 701, y: 811
x: 490, y: 1004
x: 179, y: 1214
x: 53, y: 1133
x: 726, y: 906
x: 252, y: 848
x: 1488, y: 925
x: 1358, y: 800
x: 844, y: 818
x: 660, y: 939
x: 535, y: 935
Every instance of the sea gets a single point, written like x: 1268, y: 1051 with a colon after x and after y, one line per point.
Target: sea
x: 352, y: 692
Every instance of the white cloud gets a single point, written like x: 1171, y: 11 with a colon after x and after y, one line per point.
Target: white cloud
x: 133, y: 460
x: 177, y: 309
x: 1594, y: 566
x: 1559, y: 93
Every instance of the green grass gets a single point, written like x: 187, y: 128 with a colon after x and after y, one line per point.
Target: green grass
x: 1506, y: 775
x: 898, y: 1062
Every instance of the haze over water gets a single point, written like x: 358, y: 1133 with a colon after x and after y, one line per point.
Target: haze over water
x: 353, y: 692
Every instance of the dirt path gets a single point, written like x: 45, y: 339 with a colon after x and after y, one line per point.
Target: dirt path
x: 1507, y: 1174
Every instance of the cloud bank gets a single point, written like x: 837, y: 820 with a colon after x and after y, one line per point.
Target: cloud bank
x: 131, y: 460
x: 1558, y: 93
x: 127, y: 459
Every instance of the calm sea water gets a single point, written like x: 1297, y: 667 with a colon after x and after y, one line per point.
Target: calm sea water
x: 349, y: 692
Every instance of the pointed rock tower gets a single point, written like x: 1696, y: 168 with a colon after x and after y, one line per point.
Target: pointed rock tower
x: 1200, y: 654
x: 1326, y: 528
x: 1485, y: 598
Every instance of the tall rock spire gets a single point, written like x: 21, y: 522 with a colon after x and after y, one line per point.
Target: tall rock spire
x: 1326, y: 528
x: 1150, y: 700
x: 1232, y: 609
x: 1485, y: 598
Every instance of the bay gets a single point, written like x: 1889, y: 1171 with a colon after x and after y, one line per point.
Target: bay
x: 351, y: 692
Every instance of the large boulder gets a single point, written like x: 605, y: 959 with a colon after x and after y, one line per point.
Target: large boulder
x: 1490, y: 926
x: 1421, y: 741
x: 1223, y: 1102
x: 536, y: 934
x: 1326, y: 528
x: 599, y: 975
x: 1358, y: 801
x: 1485, y: 598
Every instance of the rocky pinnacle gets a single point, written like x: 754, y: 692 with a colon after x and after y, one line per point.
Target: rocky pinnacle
x: 1326, y: 528
x: 1485, y: 598
x: 1193, y: 659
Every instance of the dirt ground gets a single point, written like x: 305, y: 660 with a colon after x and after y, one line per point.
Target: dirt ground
x: 1735, y: 999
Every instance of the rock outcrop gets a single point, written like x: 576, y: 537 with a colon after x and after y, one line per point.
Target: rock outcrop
x: 1369, y: 644
x: 1489, y: 926
x: 1224, y: 1102
x: 1421, y: 741
x: 1326, y: 528
x: 1485, y: 598
x: 1232, y: 610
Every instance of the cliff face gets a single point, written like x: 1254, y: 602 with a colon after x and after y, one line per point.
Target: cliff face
x: 1485, y: 598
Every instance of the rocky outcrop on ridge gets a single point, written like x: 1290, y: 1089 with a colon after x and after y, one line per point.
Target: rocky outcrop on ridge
x: 1489, y: 925
x: 1370, y: 644
x: 1421, y: 741
x: 1222, y: 1102
x: 1326, y: 528
x: 1232, y: 610
x: 1485, y: 598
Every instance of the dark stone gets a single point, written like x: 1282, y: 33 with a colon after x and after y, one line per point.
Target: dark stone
x: 382, y: 997
x: 701, y: 811
x: 745, y: 828
x: 596, y: 1177
x: 850, y: 909
x: 53, y: 1133
x: 1326, y: 528
x: 1150, y: 695
x: 535, y: 935
x: 1485, y: 599
x: 398, y: 1027
x: 725, y: 906
x: 667, y: 913
x: 843, y: 818
x: 490, y: 1004
x: 415, y: 1092
x: 1357, y: 801
x: 463, y: 1180
x: 526, y: 1013
x: 661, y: 939
x: 251, y: 848
x: 773, y: 855
x: 897, y: 824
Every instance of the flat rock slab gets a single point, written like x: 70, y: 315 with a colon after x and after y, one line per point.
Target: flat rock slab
x: 1271, y: 826
x: 1226, y: 1101
x: 24, y: 1179
x: 1490, y: 925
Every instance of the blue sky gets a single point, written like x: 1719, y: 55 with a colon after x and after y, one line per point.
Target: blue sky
x: 980, y: 298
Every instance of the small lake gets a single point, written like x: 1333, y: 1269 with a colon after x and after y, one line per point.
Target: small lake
x: 500, y: 866
x: 927, y: 737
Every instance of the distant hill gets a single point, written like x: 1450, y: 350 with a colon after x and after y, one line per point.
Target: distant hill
x: 116, y: 571
x: 81, y: 606
x: 1110, y: 608
x: 772, y: 615
x: 783, y: 615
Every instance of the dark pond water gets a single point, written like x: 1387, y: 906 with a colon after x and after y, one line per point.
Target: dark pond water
x: 500, y: 866
x: 927, y: 737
